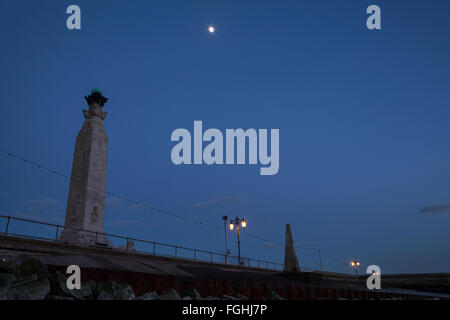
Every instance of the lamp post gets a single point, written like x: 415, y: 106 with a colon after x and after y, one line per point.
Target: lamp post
x: 355, y: 264
x: 234, y: 225
x: 225, y: 218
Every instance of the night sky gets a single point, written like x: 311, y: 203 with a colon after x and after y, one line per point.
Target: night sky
x: 363, y: 116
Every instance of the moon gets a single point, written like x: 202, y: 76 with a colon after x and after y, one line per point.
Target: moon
x: 211, y: 29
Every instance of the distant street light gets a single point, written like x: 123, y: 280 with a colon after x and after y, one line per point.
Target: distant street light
x: 355, y: 264
x: 235, y: 223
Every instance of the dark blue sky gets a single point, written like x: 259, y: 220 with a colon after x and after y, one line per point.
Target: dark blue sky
x: 363, y: 118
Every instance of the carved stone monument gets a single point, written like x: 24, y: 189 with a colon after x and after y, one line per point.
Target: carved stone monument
x: 86, y: 201
x: 290, y: 257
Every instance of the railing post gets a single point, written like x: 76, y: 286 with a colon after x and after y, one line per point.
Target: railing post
x: 195, y: 254
x: 57, y: 229
x: 7, y: 226
x: 211, y: 256
x: 96, y: 237
x: 154, y: 248
x: 176, y: 251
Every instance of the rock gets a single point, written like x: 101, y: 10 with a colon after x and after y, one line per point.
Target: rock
x: 35, y: 290
x: 169, y: 295
x: 272, y: 296
x: 192, y: 293
x: 106, y: 290
x: 110, y: 290
x: 93, y: 286
x: 23, y: 266
x: 58, y: 285
x: 32, y: 266
x: 86, y: 291
x: 148, y: 296
x: 124, y: 292
x: 5, y: 281
x: 53, y: 297
x: 24, y: 280
x: 241, y: 297
x: 211, y: 298
x: 227, y: 297
x: 186, y: 298
x: 7, y: 266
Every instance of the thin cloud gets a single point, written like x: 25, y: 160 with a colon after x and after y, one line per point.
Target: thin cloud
x: 436, y: 209
x: 218, y: 201
x: 28, y: 216
x: 46, y: 210
x: 37, y: 205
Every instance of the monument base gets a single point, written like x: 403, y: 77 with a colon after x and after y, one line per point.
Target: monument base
x: 84, y: 238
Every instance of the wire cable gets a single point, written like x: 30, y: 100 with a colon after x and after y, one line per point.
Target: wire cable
x: 151, y: 207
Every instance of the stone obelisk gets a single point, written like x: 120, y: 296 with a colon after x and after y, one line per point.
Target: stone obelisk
x: 290, y: 258
x: 86, y: 201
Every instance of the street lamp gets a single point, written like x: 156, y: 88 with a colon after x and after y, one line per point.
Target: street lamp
x: 225, y: 218
x: 355, y: 264
x: 234, y: 225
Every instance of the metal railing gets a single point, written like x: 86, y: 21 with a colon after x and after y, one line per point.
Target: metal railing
x: 175, y: 251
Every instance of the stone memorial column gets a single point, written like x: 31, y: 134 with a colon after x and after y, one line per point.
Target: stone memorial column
x: 86, y: 201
